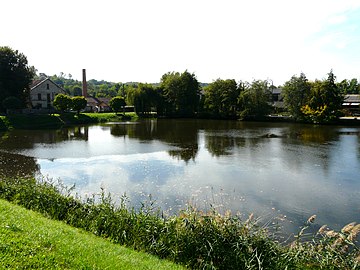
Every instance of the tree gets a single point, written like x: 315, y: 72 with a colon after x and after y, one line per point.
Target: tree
x: 181, y: 93
x: 76, y: 90
x: 296, y: 94
x: 116, y: 103
x: 78, y: 103
x: 349, y: 86
x: 326, y: 101
x: 221, y: 97
x: 145, y: 98
x: 15, y: 76
x: 255, y: 99
x: 62, y: 102
x: 11, y: 103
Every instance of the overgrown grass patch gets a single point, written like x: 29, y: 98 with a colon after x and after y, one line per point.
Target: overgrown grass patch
x: 195, y: 239
x: 30, y: 241
x: 23, y: 121
x: 51, y: 121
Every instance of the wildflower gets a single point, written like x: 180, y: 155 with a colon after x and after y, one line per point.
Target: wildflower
x: 311, y: 219
x: 347, y: 228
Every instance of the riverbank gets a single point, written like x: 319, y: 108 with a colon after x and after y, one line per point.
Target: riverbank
x: 48, y: 244
x: 53, y: 121
x: 194, y: 239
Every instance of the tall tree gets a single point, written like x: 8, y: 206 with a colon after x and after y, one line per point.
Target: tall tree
x: 325, y: 102
x: 296, y: 94
x: 146, y: 98
x: 349, y: 86
x: 255, y: 99
x: 181, y: 93
x: 15, y: 76
x: 221, y: 97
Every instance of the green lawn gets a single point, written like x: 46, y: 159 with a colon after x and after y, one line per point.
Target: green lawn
x: 30, y: 241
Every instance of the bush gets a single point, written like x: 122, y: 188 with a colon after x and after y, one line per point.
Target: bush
x: 12, y: 103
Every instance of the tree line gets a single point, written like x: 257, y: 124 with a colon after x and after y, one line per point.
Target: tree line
x: 182, y: 95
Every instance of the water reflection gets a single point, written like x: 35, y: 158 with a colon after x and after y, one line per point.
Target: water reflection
x: 273, y: 169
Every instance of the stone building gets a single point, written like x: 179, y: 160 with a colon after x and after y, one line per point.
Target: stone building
x: 43, y: 92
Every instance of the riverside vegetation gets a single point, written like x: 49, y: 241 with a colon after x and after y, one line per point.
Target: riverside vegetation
x: 30, y: 241
x: 41, y: 121
x: 192, y: 238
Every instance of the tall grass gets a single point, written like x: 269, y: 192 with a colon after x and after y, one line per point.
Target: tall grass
x: 53, y: 121
x: 198, y: 240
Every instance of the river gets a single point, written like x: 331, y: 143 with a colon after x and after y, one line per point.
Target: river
x: 281, y: 172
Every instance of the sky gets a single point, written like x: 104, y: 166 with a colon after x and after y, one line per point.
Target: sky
x: 140, y: 40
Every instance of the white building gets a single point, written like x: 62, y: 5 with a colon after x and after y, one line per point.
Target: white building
x: 43, y: 92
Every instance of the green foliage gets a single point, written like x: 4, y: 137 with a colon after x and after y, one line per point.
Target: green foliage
x: 349, y: 86
x: 195, y: 239
x: 221, y: 97
x: 181, y: 93
x: 62, y: 102
x: 325, y: 101
x: 255, y: 100
x: 11, y: 103
x: 296, y: 94
x: 15, y: 76
x: 78, y: 103
x: 117, y: 103
x: 145, y: 99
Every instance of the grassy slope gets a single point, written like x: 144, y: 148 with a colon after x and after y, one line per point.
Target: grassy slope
x: 22, y: 121
x: 30, y: 241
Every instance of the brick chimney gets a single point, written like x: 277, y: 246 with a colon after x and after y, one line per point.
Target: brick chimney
x: 84, y: 84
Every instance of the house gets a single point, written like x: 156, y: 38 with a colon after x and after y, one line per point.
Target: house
x: 277, y: 99
x: 352, y: 103
x: 43, y: 92
x: 97, y: 104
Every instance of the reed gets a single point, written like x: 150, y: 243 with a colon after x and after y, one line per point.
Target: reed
x: 196, y: 239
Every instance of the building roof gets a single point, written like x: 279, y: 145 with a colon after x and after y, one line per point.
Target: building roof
x: 351, y: 100
x: 36, y: 83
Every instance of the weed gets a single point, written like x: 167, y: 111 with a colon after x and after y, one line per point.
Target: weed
x: 196, y: 239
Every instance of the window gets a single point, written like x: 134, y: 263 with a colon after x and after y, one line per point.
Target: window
x: 47, y: 86
x: 48, y: 98
x: 39, y: 96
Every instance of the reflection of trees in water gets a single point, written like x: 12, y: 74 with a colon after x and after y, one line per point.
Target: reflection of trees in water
x: 222, y: 145
x: 26, y: 139
x: 319, y: 135
x: 185, y: 154
x: 182, y: 134
x: 72, y: 133
x: 13, y: 165
x: 119, y: 130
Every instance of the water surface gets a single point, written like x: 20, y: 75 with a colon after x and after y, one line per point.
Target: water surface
x: 282, y: 172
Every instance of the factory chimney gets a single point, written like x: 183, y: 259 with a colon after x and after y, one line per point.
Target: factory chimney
x: 84, y: 84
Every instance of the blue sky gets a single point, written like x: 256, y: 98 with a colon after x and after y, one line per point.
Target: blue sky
x: 140, y: 40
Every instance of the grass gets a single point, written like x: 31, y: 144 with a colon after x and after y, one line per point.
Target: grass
x: 194, y: 239
x: 50, y: 121
x: 30, y: 241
